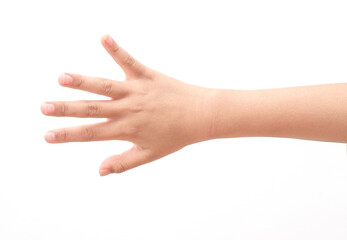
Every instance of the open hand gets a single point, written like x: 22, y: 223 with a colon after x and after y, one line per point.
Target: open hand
x: 157, y: 113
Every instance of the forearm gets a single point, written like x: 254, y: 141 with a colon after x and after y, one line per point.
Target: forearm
x: 317, y: 112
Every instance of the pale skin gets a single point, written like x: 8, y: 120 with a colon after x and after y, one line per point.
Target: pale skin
x: 160, y: 114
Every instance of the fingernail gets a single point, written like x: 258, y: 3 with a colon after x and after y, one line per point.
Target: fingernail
x: 104, y: 172
x: 108, y: 39
x: 65, y: 79
x: 49, y: 136
x: 48, y: 108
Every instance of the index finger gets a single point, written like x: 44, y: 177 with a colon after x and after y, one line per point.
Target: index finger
x: 101, y: 86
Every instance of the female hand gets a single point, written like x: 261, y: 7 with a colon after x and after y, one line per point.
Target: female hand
x: 157, y: 113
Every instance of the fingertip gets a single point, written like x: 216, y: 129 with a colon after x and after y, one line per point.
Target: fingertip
x: 47, y: 108
x: 65, y: 79
x: 61, y: 78
x: 43, y: 108
x: 50, y: 137
x: 104, y: 171
x: 103, y: 37
x: 106, y: 39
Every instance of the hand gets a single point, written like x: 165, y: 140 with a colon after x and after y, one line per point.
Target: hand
x: 157, y: 113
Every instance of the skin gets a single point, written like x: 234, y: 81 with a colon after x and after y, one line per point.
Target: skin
x: 160, y: 114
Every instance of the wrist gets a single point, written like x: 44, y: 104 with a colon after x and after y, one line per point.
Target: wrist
x: 233, y: 114
x: 223, y: 122
x: 220, y: 114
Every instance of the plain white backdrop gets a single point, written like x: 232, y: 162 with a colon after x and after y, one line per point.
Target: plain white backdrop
x: 242, y: 188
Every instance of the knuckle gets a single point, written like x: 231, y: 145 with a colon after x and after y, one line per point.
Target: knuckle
x: 88, y: 134
x: 120, y: 167
x: 136, y: 108
x: 129, y: 60
x: 62, y: 135
x: 115, y: 49
x: 63, y: 109
x: 106, y: 86
x: 93, y: 110
x: 80, y: 81
x: 131, y: 131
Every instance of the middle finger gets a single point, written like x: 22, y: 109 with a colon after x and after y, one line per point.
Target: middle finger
x: 83, y: 109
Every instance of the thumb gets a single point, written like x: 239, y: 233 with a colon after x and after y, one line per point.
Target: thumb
x: 130, y: 66
x: 122, y: 162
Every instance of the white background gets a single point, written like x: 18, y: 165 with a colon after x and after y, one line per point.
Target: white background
x: 243, y: 188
